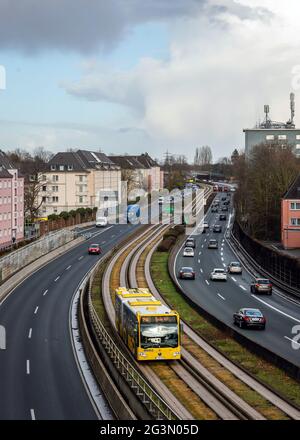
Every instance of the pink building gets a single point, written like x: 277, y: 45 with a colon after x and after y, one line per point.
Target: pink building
x: 11, y: 203
x: 290, y: 216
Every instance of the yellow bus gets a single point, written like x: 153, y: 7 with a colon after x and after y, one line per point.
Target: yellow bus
x: 150, y: 329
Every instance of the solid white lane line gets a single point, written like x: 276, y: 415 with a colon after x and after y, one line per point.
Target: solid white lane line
x: 292, y: 340
x: 242, y: 287
x: 207, y: 282
x: 57, y: 278
x: 69, y: 267
x: 30, y: 333
x: 36, y: 309
x: 222, y: 297
x: 27, y: 367
x: 275, y: 308
x: 233, y: 279
x: 45, y: 293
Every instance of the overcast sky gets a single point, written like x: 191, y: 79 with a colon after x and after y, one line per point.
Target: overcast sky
x: 129, y: 76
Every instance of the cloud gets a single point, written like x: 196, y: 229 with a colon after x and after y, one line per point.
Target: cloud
x: 224, y: 64
x: 80, y: 25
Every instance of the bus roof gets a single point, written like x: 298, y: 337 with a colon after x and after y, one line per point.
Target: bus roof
x: 142, y: 301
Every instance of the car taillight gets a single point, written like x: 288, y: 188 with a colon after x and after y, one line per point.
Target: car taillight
x: 246, y: 318
x: 257, y: 285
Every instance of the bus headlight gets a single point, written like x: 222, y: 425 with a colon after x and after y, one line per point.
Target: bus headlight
x: 143, y: 354
x: 176, y: 353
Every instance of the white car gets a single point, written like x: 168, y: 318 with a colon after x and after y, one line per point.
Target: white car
x: 161, y: 199
x: 218, y: 275
x: 188, y: 252
x: 101, y: 222
x: 235, y: 267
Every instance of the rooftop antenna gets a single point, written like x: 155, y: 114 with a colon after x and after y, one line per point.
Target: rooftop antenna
x: 292, y: 100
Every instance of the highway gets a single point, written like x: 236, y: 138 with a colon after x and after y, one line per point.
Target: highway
x: 223, y: 298
x: 39, y: 377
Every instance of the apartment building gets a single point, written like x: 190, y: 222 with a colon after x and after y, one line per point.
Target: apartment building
x: 75, y: 180
x: 147, y: 174
x: 11, y: 203
x: 290, y: 216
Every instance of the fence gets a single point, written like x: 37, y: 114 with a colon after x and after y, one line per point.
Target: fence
x: 282, y: 267
x: 20, y: 258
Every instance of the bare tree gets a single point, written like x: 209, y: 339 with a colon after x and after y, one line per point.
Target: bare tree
x: 203, y: 156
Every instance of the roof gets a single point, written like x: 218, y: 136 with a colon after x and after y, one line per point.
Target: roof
x: 294, y: 190
x: 135, y: 162
x: 81, y: 160
x: 4, y: 174
x: 142, y: 301
x: 127, y: 162
x: 5, y: 163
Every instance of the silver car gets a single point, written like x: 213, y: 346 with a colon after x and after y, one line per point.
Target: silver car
x: 188, y: 252
x: 218, y: 275
x: 212, y: 244
x: 235, y: 267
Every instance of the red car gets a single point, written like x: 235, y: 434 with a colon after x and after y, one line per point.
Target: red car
x: 247, y: 317
x: 95, y: 249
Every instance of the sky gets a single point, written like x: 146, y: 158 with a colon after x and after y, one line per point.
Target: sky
x: 132, y: 76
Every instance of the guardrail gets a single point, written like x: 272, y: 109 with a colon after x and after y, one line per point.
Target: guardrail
x: 155, y: 405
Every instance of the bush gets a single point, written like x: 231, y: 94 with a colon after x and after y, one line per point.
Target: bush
x: 166, y: 244
x: 53, y: 217
x: 72, y: 213
x: 65, y: 215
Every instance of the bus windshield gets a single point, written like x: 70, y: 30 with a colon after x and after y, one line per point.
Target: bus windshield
x: 159, y: 331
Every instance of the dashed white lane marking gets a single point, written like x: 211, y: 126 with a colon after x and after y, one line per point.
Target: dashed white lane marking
x: 45, y: 293
x: 103, y: 242
x: 32, y: 414
x: 30, y: 333
x: 200, y: 253
x: 113, y: 236
x: 80, y: 258
x: 207, y: 282
x: 222, y: 297
x: 202, y: 246
x: 27, y: 367
x: 69, y: 267
x: 293, y: 341
x: 222, y: 258
x: 224, y: 264
x: 36, y: 310
x: 201, y: 270
x: 204, y: 240
x: 57, y: 278
x: 233, y: 279
x: 199, y: 261
x: 242, y: 287
x: 275, y: 308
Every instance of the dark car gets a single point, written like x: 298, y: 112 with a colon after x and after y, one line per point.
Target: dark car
x: 217, y: 228
x: 94, y: 249
x: 227, y: 202
x: 261, y: 285
x: 187, y: 273
x: 214, y: 209
x: 245, y: 318
x: 222, y: 217
x: 223, y: 198
x: 224, y: 208
x: 190, y: 242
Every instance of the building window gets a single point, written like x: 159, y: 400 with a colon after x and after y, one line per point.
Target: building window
x: 44, y: 199
x: 55, y: 188
x: 298, y: 147
x: 298, y: 137
x: 282, y: 137
x: 55, y: 199
x: 70, y: 167
x: 55, y: 178
x: 295, y: 221
x: 270, y: 137
x: 80, y: 199
x: 61, y: 168
x: 53, y: 167
x: 44, y: 187
x: 295, y: 205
